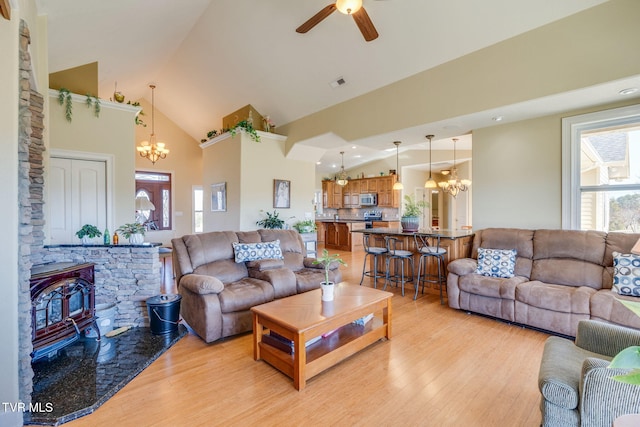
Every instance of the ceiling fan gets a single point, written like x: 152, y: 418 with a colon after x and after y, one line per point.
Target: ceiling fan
x: 348, y: 7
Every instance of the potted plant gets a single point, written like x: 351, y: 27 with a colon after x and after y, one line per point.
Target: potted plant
x: 133, y: 231
x: 272, y: 221
x: 327, y: 261
x: 629, y: 358
x: 87, y: 233
x: 306, y: 226
x: 410, y: 219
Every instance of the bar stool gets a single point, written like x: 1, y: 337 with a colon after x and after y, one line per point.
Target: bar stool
x: 398, y: 256
x: 435, y: 252
x: 375, y: 252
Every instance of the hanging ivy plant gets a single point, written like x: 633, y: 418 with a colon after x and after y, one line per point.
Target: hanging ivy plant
x: 137, y: 119
x: 92, y: 100
x: 64, y: 98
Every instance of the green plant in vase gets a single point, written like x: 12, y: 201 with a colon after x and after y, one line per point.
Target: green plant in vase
x: 272, y: 221
x: 133, y: 231
x: 306, y: 226
x: 410, y: 219
x: 88, y: 232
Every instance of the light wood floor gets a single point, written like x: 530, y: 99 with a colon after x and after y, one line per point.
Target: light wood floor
x: 442, y: 367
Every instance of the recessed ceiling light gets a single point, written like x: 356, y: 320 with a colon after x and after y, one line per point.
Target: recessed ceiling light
x: 628, y: 91
x: 357, y: 156
x: 497, y: 118
x: 389, y: 149
x: 318, y: 163
x: 353, y: 146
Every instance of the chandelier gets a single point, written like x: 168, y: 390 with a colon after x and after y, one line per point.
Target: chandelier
x: 398, y: 185
x: 454, y: 185
x: 430, y: 183
x: 342, y: 176
x: 152, y: 149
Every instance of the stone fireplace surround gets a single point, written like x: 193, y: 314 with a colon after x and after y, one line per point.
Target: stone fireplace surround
x: 125, y: 274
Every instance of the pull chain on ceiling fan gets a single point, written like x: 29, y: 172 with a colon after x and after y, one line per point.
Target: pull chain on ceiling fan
x: 348, y: 7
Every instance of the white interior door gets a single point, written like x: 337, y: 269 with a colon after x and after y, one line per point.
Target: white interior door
x: 77, y: 196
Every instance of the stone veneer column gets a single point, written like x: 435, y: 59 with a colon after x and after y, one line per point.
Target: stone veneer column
x: 126, y: 275
x: 30, y: 203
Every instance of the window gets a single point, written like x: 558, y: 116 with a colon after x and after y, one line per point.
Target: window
x: 156, y: 187
x: 601, y: 171
x: 198, y: 209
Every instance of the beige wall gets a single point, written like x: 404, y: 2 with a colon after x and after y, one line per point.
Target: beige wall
x: 221, y: 163
x: 517, y: 172
x: 249, y: 169
x: 109, y: 135
x: 184, y: 162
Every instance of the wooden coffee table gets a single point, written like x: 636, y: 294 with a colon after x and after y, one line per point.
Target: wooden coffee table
x: 302, y: 317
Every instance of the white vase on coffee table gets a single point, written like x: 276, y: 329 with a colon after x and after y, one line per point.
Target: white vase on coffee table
x: 327, y: 290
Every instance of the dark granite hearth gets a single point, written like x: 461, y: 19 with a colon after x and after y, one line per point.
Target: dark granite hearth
x: 87, y: 373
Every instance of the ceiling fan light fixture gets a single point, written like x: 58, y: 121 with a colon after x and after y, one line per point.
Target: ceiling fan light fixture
x: 348, y: 7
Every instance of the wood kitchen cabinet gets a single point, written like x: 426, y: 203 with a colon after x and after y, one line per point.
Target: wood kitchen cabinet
x: 387, y: 196
x: 331, y: 195
x: 351, y: 194
x: 338, y: 235
x: 320, y: 231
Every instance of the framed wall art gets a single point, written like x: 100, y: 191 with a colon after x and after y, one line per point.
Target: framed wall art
x: 281, y: 193
x: 219, y: 197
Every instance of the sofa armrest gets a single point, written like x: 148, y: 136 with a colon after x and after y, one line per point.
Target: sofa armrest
x: 603, y: 399
x: 265, y: 264
x: 463, y: 266
x: 201, y: 284
x: 310, y: 263
x: 605, y: 338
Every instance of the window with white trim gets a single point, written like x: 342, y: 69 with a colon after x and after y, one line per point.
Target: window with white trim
x: 198, y: 209
x: 601, y: 170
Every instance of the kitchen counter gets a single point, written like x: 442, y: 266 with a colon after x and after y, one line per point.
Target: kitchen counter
x: 444, y: 234
x: 340, y: 220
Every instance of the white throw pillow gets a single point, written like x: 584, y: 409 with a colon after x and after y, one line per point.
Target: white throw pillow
x: 496, y: 262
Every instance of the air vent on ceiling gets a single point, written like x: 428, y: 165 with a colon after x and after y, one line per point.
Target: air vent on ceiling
x: 338, y: 82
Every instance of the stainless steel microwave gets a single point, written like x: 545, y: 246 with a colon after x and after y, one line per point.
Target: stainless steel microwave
x: 368, y: 199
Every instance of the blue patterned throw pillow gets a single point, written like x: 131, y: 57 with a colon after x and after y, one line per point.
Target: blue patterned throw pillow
x: 496, y: 262
x: 254, y: 251
x: 626, y: 274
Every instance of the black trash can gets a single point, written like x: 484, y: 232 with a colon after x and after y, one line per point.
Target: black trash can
x: 164, y: 313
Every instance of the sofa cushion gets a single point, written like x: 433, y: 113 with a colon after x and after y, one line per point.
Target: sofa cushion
x: 254, y: 251
x: 626, y: 274
x: 244, y: 294
x: 559, y: 298
x: 226, y: 270
x: 493, y: 287
x: 496, y: 262
x: 605, y: 306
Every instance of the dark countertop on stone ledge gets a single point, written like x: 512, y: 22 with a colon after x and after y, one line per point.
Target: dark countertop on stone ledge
x: 80, y: 245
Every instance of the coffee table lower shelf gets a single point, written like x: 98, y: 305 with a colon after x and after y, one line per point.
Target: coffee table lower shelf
x: 330, y: 350
x: 341, y: 337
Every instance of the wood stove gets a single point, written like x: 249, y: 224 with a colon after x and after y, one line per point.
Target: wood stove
x: 62, y: 305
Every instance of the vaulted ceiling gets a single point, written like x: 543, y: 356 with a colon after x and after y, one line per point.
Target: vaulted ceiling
x: 209, y: 58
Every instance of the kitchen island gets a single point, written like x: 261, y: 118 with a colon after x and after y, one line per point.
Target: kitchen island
x: 337, y: 234
x: 457, y: 243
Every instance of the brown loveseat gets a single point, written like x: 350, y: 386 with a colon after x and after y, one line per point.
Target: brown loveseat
x: 560, y: 278
x: 218, y: 292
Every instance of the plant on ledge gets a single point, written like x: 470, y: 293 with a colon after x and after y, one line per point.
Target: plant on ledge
x: 244, y: 125
x: 128, y: 230
x: 272, y: 221
x: 306, y: 226
x: 88, y: 230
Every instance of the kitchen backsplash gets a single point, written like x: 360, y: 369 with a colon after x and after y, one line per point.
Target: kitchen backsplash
x: 391, y: 214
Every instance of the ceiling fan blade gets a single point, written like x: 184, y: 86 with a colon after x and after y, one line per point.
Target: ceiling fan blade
x: 316, y: 19
x: 366, y: 26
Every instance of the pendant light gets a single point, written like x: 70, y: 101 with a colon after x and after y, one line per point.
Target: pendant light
x: 454, y: 185
x: 342, y: 177
x: 152, y: 149
x: 431, y: 183
x: 398, y: 185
